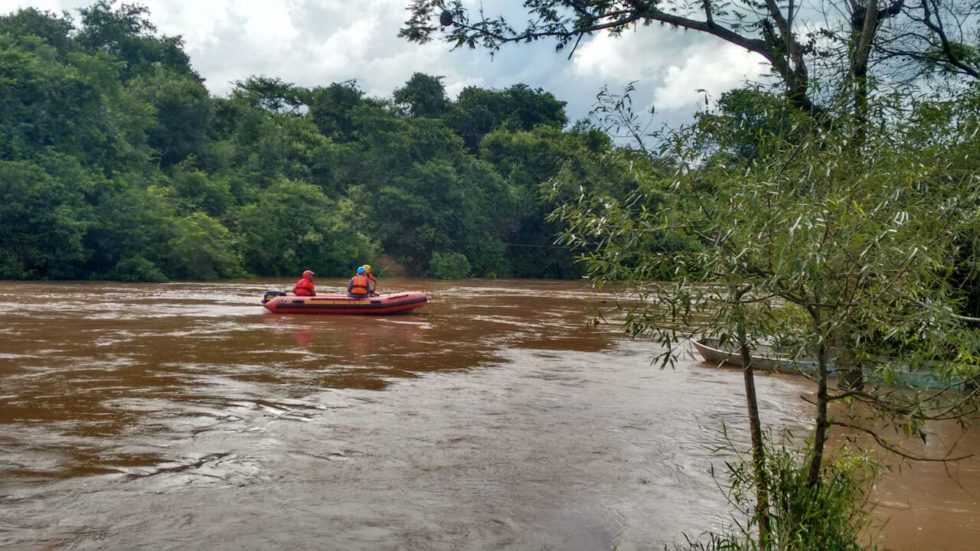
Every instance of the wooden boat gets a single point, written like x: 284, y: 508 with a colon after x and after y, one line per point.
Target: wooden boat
x: 391, y: 303
x: 763, y: 357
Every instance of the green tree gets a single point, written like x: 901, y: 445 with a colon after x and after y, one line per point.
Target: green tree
x: 746, y: 118
x: 293, y: 227
x: 841, y: 119
x: 53, y: 31
x: 112, y: 114
x: 449, y: 266
x: 528, y: 161
x: 423, y: 96
x: 794, y: 38
x: 134, y: 225
x: 44, y: 103
x: 259, y: 146
x: 271, y: 94
x: 43, y: 217
x: 422, y: 193
x: 196, y: 190
x: 478, y: 111
x: 201, y: 248
x: 860, y: 242
x: 437, y: 206
x: 71, y: 103
x: 332, y: 108
x: 182, y: 110
x: 127, y: 34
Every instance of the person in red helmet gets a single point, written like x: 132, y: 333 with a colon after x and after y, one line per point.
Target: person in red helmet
x: 304, y: 287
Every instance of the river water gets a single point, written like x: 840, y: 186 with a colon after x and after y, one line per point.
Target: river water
x: 183, y: 415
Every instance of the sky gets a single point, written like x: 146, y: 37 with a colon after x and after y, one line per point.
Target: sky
x: 318, y: 42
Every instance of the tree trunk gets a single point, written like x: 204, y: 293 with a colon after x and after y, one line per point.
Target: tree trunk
x: 820, y: 430
x: 758, y: 447
x: 864, y: 27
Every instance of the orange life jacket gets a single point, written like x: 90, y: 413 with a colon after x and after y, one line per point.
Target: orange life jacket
x: 358, y: 285
x: 304, y: 288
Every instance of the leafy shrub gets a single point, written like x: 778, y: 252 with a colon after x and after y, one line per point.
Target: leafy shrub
x: 11, y: 267
x: 202, y: 249
x: 451, y: 265
x: 136, y: 268
x: 831, y: 515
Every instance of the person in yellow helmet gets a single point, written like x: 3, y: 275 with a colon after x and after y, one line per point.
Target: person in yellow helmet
x: 372, y: 281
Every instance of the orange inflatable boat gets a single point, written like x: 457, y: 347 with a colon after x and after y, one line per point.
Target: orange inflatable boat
x: 391, y: 303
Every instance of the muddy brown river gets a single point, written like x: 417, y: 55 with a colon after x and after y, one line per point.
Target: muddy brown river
x: 184, y: 416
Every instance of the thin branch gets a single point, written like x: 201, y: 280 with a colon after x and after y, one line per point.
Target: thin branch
x: 937, y: 27
x: 898, y: 451
x: 707, y: 12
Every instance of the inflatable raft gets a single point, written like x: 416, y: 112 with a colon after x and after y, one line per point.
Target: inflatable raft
x: 391, y: 303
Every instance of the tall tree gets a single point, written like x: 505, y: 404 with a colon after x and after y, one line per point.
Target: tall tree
x: 423, y: 96
x: 479, y: 111
x: 52, y: 30
x: 182, y: 111
x: 43, y: 216
x: 126, y: 32
x: 332, y: 107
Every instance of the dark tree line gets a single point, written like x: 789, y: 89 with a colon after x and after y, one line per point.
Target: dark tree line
x: 116, y: 162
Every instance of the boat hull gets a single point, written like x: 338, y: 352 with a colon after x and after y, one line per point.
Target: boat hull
x: 394, y: 303
x: 718, y: 354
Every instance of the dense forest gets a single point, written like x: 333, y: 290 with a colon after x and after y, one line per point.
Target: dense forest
x: 117, y: 163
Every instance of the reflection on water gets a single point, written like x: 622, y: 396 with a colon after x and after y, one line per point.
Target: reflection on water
x: 185, y: 415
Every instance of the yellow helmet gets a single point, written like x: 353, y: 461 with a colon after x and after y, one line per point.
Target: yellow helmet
x: 367, y: 268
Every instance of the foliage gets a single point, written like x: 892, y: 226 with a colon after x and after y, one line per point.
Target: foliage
x: 137, y: 269
x: 42, y: 218
x: 449, y: 266
x: 828, y: 516
x: 823, y: 198
x: 294, y: 226
x: 423, y: 96
x: 201, y: 248
x: 479, y: 111
x: 864, y: 241
x: 126, y: 33
x: 110, y: 141
x: 142, y: 232
x: 181, y: 111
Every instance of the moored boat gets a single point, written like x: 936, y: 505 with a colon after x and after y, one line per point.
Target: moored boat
x: 390, y: 303
x: 763, y: 357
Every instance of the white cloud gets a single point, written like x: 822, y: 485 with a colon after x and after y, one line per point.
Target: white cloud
x: 620, y: 58
x: 712, y: 68
x: 669, y: 65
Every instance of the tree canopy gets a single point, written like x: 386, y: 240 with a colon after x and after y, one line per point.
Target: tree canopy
x: 118, y: 163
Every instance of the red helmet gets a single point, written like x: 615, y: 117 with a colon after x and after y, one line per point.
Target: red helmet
x: 308, y: 274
